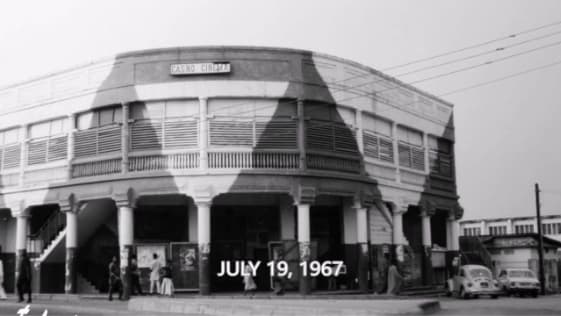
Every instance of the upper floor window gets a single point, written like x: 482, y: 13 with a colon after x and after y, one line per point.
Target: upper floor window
x: 257, y: 123
x: 10, y: 148
x: 330, y: 128
x: 377, y: 138
x: 440, y: 156
x: 100, y: 117
x: 48, y: 141
x: 160, y: 125
x: 98, y: 132
x: 411, y: 151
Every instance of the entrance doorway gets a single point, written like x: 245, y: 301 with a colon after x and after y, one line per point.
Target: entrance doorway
x: 242, y: 233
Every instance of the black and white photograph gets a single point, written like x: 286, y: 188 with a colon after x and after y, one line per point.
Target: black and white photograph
x: 268, y: 157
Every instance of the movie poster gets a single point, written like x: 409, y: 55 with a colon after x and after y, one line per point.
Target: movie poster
x: 185, y: 265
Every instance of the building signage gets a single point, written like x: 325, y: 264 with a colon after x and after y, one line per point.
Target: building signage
x: 200, y: 69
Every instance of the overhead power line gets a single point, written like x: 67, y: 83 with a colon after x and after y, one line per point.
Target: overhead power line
x: 502, y: 38
x: 495, y: 50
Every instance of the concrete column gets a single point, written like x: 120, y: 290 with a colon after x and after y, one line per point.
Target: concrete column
x: 193, y: 223
x: 71, y: 246
x: 203, y: 133
x: 125, y: 138
x: 22, y: 223
x: 126, y: 240
x: 427, y: 240
x: 303, y: 211
x: 453, y: 229
x: 483, y: 228
x: 288, y: 225
x: 396, y: 152
x: 362, y: 243
x: 509, y: 228
x: 203, y: 217
x: 70, y: 148
x: 23, y: 153
x: 398, y: 209
x: 301, y: 133
x: 428, y: 274
x: 426, y: 152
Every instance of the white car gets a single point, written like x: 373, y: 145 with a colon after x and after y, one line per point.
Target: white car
x: 519, y: 281
x: 474, y: 280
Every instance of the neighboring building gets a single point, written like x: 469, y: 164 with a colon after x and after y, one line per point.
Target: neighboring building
x: 521, y: 251
x: 206, y: 154
x: 551, y: 226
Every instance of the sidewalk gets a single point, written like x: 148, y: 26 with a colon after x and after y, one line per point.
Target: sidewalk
x: 286, y: 306
x: 320, y: 304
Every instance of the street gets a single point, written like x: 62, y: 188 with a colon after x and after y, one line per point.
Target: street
x: 548, y: 305
x: 543, y: 305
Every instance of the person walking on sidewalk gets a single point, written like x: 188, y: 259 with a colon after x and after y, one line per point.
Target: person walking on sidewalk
x: 2, y: 292
x: 115, y: 283
x: 248, y: 282
x: 155, y: 274
x: 135, y: 278
x: 394, y: 279
x: 23, y: 282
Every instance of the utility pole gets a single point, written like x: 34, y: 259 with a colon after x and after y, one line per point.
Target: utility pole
x: 540, y: 240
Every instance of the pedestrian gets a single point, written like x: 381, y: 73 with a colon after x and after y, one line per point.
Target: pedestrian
x: 248, y: 282
x: 167, y: 281
x: 155, y: 274
x: 115, y: 283
x: 135, y: 277
x: 23, y: 282
x: 394, y: 279
x: 2, y: 292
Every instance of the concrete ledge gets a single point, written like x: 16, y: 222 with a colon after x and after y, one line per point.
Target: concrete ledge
x: 287, y: 307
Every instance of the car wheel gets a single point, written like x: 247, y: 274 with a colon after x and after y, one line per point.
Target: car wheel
x: 494, y: 296
x: 535, y: 294
x: 506, y: 291
x: 463, y: 294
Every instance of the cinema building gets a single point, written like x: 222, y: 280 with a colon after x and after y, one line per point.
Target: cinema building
x: 204, y: 154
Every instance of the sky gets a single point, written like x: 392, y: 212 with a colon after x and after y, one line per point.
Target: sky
x: 506, y: 132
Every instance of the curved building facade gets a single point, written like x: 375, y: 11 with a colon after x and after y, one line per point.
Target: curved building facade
x: 214, y: 154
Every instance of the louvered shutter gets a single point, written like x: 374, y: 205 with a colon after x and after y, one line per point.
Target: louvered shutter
x: 37, y: 152
x: 146, y: 135
x: 58, y: 148
x: 181, y: 134
x: 319, y: 135
x: 276, y: 134
x: 417, y: 158
x: 344, y: 138
x: 109, y: 139
x: 85, y: 143
x: 404, y: 155
x: 386, y: 149
x: 231, y: 133
x: 371, y: 147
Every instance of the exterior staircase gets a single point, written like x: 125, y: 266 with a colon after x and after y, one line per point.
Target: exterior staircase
x: 49, y: 244
x: 473, y: 251
x: 84, y: 286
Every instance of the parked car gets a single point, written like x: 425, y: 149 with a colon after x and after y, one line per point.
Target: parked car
x: 472, y: 281
x: 519, y: 281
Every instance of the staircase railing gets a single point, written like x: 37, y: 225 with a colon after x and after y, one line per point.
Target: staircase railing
x: 474, y: 245
x: 39, y: 241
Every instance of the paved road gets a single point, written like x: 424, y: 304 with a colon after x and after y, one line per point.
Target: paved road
x: 511, y: 306
x: 549, y: 305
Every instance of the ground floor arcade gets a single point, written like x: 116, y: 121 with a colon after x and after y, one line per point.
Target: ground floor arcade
x: 197, y: 235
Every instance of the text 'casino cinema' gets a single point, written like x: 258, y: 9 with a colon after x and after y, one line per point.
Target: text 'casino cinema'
x: 205, y: 155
